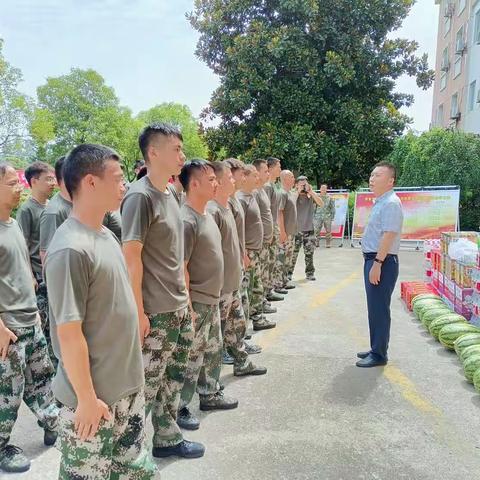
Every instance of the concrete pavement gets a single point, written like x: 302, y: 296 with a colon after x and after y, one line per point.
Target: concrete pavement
x: 315, y: 415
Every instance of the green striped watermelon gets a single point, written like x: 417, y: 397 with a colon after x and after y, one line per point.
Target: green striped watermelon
x: 470, y: 366
x: 469, y: 351
x: 423, y: 296
x: 449, y: 333
x: 440, y: 322
x: 424, y: 305
x: 476, y: 380
x: 430, y: 315
x: 465, y: 341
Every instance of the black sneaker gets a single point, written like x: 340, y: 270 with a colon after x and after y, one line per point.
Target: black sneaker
x: 275, y: 297
x: 290, y: 285
x: 12, y: 460
x: 281, y: 291
x: 249, y: 369
x: 311, y: 277
x: 268, y: 309
x: 218, y: 401
x: 184, y: 449
x: 187, y: 420
x: 49, y: 437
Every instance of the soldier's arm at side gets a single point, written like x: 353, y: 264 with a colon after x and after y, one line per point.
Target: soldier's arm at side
x: 6, y: 336
x: 281, y: 225
x: 133, y: 257
x: 90, y: 409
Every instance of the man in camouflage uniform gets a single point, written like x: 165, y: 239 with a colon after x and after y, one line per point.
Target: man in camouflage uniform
x: 153, y: 245
x: 100, y: 388
x: 204, y: 269
x: 306, y: 201
x: 233, y: 320
x: 274, y: 287
x: 254, y: 235
x: 324, y: 216
x: 287, y: 221
x: 237, y: 169
x: 41, y: 178
x: 25, y: 368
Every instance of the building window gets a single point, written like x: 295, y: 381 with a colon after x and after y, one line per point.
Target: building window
x: 448, y: 13
x: 472, y: 97
x: 477, y: 27
x: 461, y: 6
x: 443, y: 81
x: 460, y: 41
x: 440, y: 116
x: 457, y: 68
x: 454, y: 107
x: 445, y: 61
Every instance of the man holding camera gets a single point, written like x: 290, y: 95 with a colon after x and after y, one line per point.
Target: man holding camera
x: 307, y: 200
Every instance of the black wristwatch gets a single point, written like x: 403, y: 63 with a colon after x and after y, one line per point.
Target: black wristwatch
x: 377, y: 260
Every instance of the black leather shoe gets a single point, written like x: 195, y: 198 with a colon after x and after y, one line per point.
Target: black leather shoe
x: 370, y: 362
x: 187, y: 420
x: 363, y: 354
x: 184, y: 449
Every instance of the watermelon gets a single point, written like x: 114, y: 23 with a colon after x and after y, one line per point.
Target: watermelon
x: 469, y: 351
x: 465, y: 341
x: 422, y: 296
x: 470, y: 366
x: 447, y: 319
x: 424, y: 305
x: 449, y: 333
x: 430, y: 315
x: 476, y: 380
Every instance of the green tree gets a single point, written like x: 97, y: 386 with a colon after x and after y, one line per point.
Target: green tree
x: 442, y: 157
x: 309, y: 81
x: 15, y: 113
x: 78, y: 108
x: 181, y: 116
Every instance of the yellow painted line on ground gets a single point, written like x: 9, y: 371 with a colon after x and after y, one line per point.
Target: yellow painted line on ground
x: 409, y: 392
x: 392, y: 373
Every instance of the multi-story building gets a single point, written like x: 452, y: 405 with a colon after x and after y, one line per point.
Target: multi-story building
x: 456, y: 97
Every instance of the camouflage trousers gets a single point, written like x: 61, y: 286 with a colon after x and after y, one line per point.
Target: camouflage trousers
x: 284, y: 260
x: 255, y: 283
x: 234, y: 327
x: 269, y: 251
x: 326, y: 223
x: 165, y: 358
x: 205, y: 362
x: 42, y: 305
x: 307, y: 239
x: 275, y: 271
x: 118, y: 450
x: 26, y: 374
x: 244, y: 294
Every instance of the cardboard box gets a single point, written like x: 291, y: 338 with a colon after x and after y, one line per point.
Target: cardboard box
x: 464, y: 295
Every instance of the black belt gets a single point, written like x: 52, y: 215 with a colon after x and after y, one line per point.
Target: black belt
x: 373, y: 255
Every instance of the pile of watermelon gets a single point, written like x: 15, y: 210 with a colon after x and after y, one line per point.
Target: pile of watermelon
x: 452, y: 331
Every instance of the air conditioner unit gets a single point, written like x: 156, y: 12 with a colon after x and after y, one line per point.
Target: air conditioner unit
x: 445, y: 67
x: 449, y: 10
x: 461, y: 46
x: 456, y: 116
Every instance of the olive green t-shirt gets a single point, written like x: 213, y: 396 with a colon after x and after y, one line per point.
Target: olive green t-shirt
x: 179, y: 196
x: 87, y: 281
x: 266, y: 214
x: 18, y: 306
x: 288, y: 204
x: 55, y: 213
x: 253, y: 221
x: 28, y: 217
x: 305, y: 212
x: 273, y: 196
x: 203, y: 255
x: 152, y: 218
x: 239, y: 216
x: 232, y: 260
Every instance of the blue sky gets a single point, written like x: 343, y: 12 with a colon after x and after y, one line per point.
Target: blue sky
x: 145, y: 48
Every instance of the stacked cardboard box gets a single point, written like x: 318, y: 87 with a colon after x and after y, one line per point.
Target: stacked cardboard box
x: 452, y: 279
